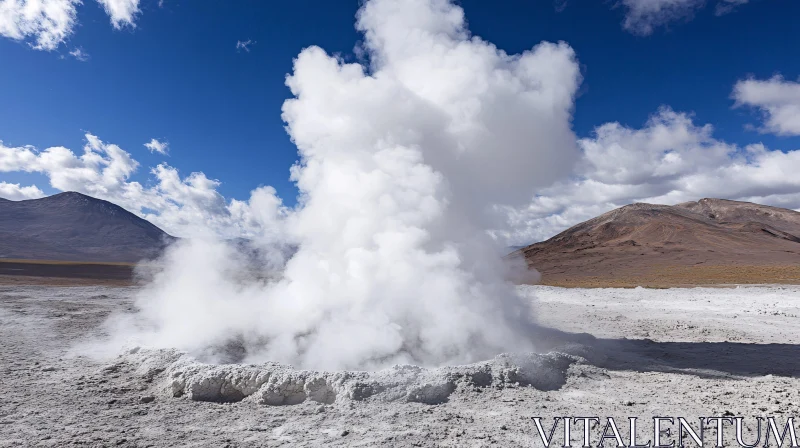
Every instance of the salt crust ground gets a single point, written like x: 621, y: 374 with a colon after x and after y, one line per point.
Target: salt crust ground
x: 610, y: 352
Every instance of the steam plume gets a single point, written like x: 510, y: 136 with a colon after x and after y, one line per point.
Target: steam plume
x: 402, y: 165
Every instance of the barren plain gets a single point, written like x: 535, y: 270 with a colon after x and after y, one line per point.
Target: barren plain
x: 604, y: 352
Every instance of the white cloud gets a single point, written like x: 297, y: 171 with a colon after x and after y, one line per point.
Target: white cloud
x: 244, y: 45
x: 121, y: 12
x: 776, y: 98
x: 668, y: 161
x: 726, y: 6
x: 46, y: 24
x: 15, y: 192
x: 644, y: 16
x: 183, y: 206
x: 157, y: 146
x: 79, y: 54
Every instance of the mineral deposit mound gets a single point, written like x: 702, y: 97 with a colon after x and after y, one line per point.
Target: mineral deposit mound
x: 171, y: 373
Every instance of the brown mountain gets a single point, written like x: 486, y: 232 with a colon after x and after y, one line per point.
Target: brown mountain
x: 711, y: 241
x: 75, y: 227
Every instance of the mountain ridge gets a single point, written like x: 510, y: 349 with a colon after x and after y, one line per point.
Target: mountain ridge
x: 640, y: 242
x: 71, y: 226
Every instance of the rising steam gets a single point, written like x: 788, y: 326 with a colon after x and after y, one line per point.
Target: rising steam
x: 402, y: 164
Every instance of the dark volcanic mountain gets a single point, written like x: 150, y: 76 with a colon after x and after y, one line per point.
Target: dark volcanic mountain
x: 75, y: 227
x: 708, y: 241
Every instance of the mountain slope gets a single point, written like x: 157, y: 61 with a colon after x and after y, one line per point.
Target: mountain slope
x: 75, y: 227
x: 724, y: 211
x: 708, y: 241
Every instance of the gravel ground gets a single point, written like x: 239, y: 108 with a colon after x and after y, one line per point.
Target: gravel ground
x: 614, y: 352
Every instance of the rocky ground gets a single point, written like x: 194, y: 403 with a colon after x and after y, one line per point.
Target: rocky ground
x: 608, y: 352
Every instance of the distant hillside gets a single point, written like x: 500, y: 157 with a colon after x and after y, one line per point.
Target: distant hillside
x: 711, y: 241
x: 75, y: 227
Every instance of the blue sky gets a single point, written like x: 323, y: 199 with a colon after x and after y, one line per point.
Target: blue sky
x: 178, y: 76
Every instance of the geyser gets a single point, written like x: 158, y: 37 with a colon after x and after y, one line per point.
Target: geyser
x: 405, y: 164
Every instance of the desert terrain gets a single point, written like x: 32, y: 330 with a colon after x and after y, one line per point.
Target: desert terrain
x: 604, y: 346
x: 63, y: 273
x: 603, y: 352
x: 322, y: 224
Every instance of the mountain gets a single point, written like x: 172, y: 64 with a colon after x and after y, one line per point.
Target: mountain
x: 75, y: 227
x: 710, y: 241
